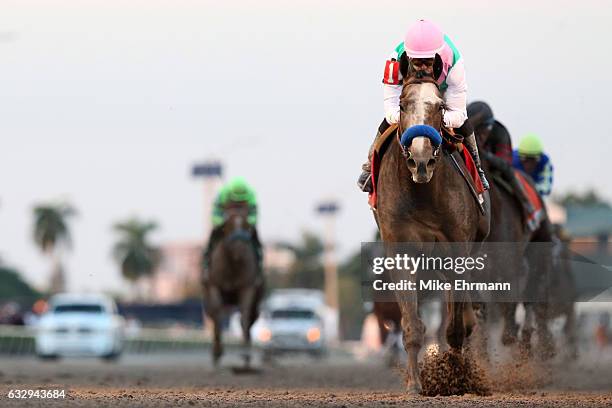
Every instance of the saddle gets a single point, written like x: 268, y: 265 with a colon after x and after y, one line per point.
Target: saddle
x: 534, y: 218
x: 460, y: 157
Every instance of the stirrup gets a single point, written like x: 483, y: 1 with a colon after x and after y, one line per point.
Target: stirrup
x: 365, y: 182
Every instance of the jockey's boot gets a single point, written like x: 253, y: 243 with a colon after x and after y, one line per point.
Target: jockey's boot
x: 364, y: 182
x: 470, y: 142
x: 365, y: 179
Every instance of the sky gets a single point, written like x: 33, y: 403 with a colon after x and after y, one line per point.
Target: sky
x: 108, y: 104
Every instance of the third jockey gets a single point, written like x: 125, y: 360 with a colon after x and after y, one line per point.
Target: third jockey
x: 423, y: 46
x: 530, y: 158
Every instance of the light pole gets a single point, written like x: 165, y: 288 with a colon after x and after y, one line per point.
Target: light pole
x: 328, y: 211
x: 210, y: 171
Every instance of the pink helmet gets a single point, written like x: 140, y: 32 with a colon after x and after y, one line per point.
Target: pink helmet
x: 423, y: 40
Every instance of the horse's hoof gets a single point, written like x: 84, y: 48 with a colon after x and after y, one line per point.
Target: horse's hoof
x: 216, y: 360
x: 414, y: 389
x: 456, y: 350
x: 393, y: 360
x: 546, y: 353
x: 508, y: 339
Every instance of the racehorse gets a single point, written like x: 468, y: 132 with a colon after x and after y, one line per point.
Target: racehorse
x: 234, y: 280
x: 526, y: 257
x: 560, y: 296
x: 422, y: 198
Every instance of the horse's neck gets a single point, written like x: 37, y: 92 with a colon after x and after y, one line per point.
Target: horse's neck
x: 238, y: 259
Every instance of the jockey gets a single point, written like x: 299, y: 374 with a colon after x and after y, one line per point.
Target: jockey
x: 497, y: 147
x: 235, y: 193
x: 530, y: 158
x: 424, y: 45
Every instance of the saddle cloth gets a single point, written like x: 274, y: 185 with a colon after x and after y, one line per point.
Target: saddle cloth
x: 535, y: 218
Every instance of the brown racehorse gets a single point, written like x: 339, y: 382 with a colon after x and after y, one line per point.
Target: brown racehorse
x: 563, y: 293
x: 234, y: 279
x: 532, y: 264
x: 423, y: 199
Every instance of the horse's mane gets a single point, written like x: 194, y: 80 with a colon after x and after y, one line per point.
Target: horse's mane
x: 412, y: 80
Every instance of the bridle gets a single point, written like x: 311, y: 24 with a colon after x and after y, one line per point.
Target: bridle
x: 449, y: 137
x: 237, y: 214
x: 420, y: 79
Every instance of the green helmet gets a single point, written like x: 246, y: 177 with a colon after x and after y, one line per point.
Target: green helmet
x: 238, y: 190
x: 530, y: 145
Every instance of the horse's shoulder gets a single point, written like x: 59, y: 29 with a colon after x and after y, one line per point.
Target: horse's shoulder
x: 381, y: 143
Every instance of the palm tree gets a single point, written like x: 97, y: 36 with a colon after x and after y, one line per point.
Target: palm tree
x: 50, y: 232
x: 136, y: 257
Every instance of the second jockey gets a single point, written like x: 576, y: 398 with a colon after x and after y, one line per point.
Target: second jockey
x: 496, y: 146
x: 423, y: 46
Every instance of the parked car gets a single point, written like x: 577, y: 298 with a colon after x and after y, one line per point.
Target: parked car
x: 80, y: 325
x: 290, y: 329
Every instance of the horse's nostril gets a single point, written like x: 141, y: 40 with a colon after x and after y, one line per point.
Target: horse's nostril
x: 411, y: 163
x: 431, y: 163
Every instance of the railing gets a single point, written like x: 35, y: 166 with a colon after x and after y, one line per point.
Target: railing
x: 20, y: 340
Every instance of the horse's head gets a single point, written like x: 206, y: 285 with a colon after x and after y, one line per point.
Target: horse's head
x: 421, y: 106
x: 236, y: 226
x: 237, y: 233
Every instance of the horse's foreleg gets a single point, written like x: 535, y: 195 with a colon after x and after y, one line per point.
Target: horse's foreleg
x: 527, y: 329
x: 510, y: 329
x: 546, y: 342
x: 479, y: 340
x: 441, y: 332
x: 414, y: 334
x: 214, y: 304
x: 455, y: 331
x: 247, y: 303
x: 569, y: 330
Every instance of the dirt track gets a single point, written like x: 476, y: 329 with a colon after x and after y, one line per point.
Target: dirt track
x: 190, y: 381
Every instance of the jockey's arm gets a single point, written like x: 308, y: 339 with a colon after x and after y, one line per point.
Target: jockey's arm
x: 391, y: 96
x: 455, y: 96
x: 252, y: 216
x: 392, y: 87
x: 218, y: 215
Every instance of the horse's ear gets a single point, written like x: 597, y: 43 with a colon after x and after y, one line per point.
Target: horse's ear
x: 438, y: 66
x: 404, y: 66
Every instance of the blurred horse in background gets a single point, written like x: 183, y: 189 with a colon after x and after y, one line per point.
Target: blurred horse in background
x: 234, y: 280
x: 561, y: 294
x: 527, y: 259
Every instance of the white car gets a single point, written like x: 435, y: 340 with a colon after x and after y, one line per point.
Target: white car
x: 290, y: 329
x: 80, y: 325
